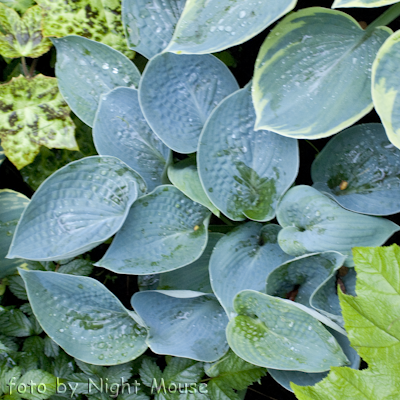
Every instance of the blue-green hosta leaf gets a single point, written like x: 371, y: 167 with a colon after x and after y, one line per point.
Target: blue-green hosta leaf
x: 312, y: 76
x: 312, y: 222
x: 358, y: 168
x: 185, y: 177
x: 178, y: 93
x: 149, y: 24
x: 242, y: 260
x: 183, y: 323
x: 284, y: 378
x: 212, y: 26
x: 194, y: 276
x: 84, y: 318
x: 244, y: 172
x: 12, y: 204
x: 75, y: 209
x: 386, y: 87
x: 274, y: 333
x: 120, y: 130
x: 164, y: 231
x: 362, y: 3
x: 308, y: 273
x: 86, y: 69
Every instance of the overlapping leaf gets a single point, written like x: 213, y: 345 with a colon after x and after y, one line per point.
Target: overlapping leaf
x: 96, y: 70
x: 164, y: 231
x: 314, y: 223
x: 359, y: 169
x: 22, y: 37
x: 209, y: 27
x: 312, y: 76
x: 178, y: 93
x: 386, y: 87
x: 84, y: 318
x: 33, y: 113
x: 149, y: 24
x: 183, y: 323
x: 2, y: 155
x: 242, y: 260
x: 77, y: 208
x: 120, y: 130
x: 362, y: 3
x: 244, y: 172
x: 274, y: 333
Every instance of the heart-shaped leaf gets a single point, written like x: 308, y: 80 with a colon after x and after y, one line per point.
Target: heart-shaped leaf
x: 358, y: 168
x: 185, y: 177
x: 212, y: 26
x: 242, y: 260
x: 312, y: 76
x: 362, y: 3
x: 120, y: 130
x: 12, y: 204
x: 183, y: 323
x: 314, y: 223
x: 386, y: 87
x: 274, y: 333
x: 178, y: 93
x: 149, y: 24
x: 97, y: 69
x: 164, y: 231
x: 306, y: 273
x: 244, y: 172
x: 77, y: 208
x: 84, y: 318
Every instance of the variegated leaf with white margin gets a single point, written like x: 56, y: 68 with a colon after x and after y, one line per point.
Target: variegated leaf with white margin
x: 362, y: 3
x: 78, y: 207
x: 183, y: 323
x: 313, y: 73
x: 386, y: 87
x: 244, y: 172
x: 359, y: 168
x: 164, y: 231
x: 308, y: 273
x: 86, y: 69
x: 149, y: 24
x: 185, y: 177
x: 12, y: 204
x: 312, y: 222
x: 242, y: 259
x: 274, y: 333
x: 84, y: 318
x: 211, y: 26
x: 284, y: 378
x: 178, y: 93
x: 120, y: 130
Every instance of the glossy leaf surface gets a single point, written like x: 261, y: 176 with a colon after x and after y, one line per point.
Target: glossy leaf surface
x: 76, y: 209
x: 178, y: 93
x: 244, y: 172
x: 362, y: 3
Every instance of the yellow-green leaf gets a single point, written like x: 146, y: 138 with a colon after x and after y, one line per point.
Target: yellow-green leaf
x: 33, y: 113
x: 22, y: 37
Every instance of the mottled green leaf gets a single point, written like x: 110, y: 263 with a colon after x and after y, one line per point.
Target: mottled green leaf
x: 163, y: 231
x: 97, y: 69
x: 178, y: 93
x: 99, y: 20
x: 19, y: 5
x: 244, y: 172
x: 312, y: 223
x: 12, y: 204
x: 211, y: 26
x: 33, y: 113
x: 120, y: 130
x: 22, y: 37
x: 149, y: 24
x: 84, y: 318
x: 313, y: 73
x: 76, y: 209
x: 359, y: 168
x: 362, y: 3
x: 183, y: 323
